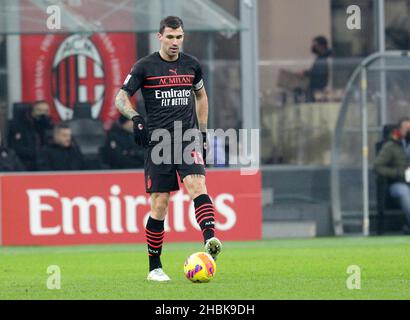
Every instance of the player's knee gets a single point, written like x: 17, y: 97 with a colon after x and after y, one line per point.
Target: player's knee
x: 160, y: 209
x: 195, y: 186
x: 159, y: 204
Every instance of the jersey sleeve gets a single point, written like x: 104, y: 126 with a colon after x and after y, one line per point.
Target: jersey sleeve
x: 198, y: 80
x: 134, y: 79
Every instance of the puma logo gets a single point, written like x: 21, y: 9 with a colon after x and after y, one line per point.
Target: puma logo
x: 174, y: 71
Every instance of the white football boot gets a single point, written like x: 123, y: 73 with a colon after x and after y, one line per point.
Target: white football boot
x: 158, y: 275
x: 213, y: 246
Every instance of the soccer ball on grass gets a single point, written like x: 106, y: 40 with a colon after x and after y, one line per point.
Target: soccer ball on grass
x: 199, y: 267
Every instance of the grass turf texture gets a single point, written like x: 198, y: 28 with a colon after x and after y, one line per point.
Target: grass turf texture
x: 277, y: 269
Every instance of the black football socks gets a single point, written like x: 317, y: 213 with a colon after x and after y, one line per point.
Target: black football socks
x: 205, y: 215
x: 154, y: 232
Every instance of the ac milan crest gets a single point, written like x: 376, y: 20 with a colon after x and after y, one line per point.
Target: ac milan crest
x: 78, y: 76
x: 67, y: 70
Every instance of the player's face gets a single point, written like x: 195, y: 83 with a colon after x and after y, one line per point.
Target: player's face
x: 171, y: 41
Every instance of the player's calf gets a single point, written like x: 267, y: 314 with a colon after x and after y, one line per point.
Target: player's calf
x: 154, y: 232
x: 205, y: 215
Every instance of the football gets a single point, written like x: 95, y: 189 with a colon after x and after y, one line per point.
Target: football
x: 199, y: 267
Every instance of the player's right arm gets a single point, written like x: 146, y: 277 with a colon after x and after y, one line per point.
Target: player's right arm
x: 131, y: 85
x: 124, y: 105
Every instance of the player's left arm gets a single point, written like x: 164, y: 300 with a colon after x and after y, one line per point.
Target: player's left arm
x: 202, y: 109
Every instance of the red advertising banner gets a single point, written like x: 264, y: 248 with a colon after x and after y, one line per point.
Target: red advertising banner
x: 68, y: 69
x: 92, y: 208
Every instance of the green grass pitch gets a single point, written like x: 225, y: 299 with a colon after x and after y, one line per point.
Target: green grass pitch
x: 276, y: 269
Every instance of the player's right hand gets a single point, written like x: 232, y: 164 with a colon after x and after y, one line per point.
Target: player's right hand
x: 140, y: 131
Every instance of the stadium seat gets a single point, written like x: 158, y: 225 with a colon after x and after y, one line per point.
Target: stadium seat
x: 88, y: 134
x: 389, y: 214
x: 20, y: 108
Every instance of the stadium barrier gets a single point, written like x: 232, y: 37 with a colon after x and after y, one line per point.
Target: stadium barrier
x: 93, y: 208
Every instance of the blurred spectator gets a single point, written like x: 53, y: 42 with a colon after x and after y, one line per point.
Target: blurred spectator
x: 8, y: 159
x: 318, y: 74
x: 29, y: 133
x: 393, y: 162
x: 62, y: 154
x: 120, y: 150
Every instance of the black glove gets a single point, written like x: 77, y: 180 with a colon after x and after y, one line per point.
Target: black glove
x: 204, y: 146
x: 140, y: 131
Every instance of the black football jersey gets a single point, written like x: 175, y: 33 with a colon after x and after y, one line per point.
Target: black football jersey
x: 167, y: 88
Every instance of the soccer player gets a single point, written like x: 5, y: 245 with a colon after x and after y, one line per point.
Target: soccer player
x: 170, y: 82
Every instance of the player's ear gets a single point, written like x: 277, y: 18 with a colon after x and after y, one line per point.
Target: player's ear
x: 159, y: 36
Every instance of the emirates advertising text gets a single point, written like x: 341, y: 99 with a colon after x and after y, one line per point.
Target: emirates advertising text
x: 91, y: 208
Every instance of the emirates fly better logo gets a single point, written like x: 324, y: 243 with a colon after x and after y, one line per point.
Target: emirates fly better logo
x: 78, y: 76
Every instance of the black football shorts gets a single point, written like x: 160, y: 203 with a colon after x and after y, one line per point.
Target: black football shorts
x: 161, y: 167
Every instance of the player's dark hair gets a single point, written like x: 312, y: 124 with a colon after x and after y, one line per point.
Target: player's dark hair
x: 170, y: 22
